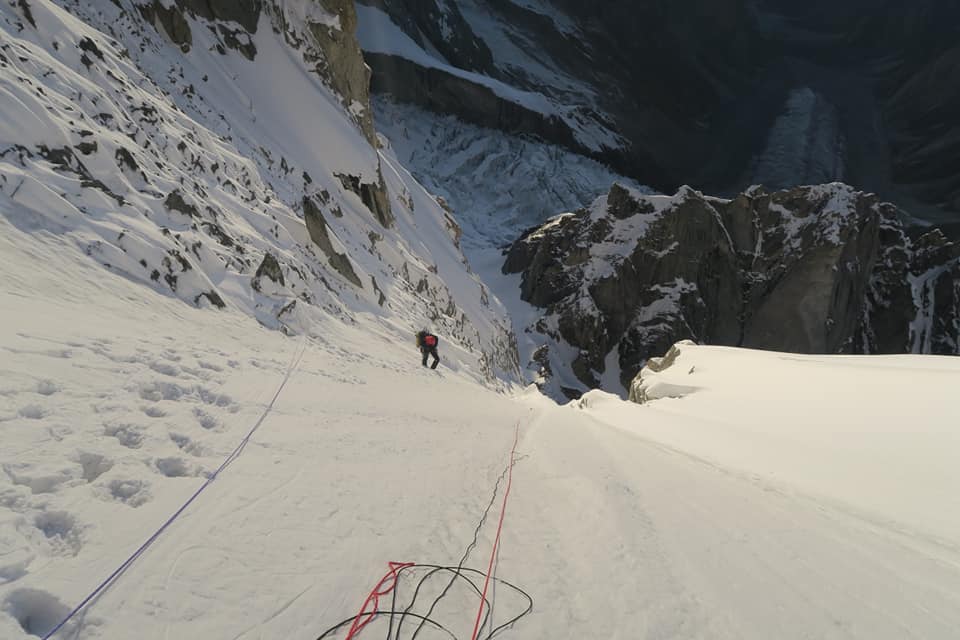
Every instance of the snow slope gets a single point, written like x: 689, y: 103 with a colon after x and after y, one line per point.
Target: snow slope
x: 113, y: 414
x: 878, y: 432
x: 762, y: 496
x: 184, y: 171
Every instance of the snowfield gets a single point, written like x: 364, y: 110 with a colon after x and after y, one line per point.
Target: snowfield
x: 756, y: 495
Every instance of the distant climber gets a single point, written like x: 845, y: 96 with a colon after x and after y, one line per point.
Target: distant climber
x: 428, y: 347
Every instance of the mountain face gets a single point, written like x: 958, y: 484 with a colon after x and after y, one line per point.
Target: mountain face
x: 717, y: 94
x: 223, y: 153
x: 598, y: 78
x: 822, y: 269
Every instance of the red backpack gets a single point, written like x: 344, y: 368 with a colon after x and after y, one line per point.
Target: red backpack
x: 430, y: 340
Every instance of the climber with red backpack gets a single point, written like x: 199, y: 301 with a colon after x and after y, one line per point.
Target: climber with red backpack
x: 428, y: 347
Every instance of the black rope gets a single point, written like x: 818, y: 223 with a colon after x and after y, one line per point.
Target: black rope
x: 434, y: 570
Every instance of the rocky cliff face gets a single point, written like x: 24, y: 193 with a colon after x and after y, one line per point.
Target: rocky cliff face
x: 822, y: 269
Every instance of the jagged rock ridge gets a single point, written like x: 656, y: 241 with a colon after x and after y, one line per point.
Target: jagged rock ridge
x: 821, y: 269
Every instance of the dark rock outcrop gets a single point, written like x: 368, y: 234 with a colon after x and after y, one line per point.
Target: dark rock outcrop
x: 320, y: 235
x: 246, y: 13
x: 822, y: 269
x: 340, y: 62
x: 172, y: 20
x: 269, y: 269
x: 441, y: 25
x: 373, y: 195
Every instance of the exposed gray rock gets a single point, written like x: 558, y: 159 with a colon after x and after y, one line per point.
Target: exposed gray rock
x: 172, y: 20
x: 430, y: 23
x: 320, y: 234
x: 330, y: 47
x: 24, y: 6
x: 342, y: 64
x: 374, y: 196
x: 176, y: 202
x: 270, y: 269
x: 822, y: 269
x: 246, y: 13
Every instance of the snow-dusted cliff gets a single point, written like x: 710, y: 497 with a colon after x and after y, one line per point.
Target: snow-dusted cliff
x: 820, y: 269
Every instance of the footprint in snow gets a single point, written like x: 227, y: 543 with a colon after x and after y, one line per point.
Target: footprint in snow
x: 130, y: 436
x: 93, y: 465
x: 172, y: 355
x: 175, y: 467
x: 37, y: 611
x: 160, y: 390
x: 154, y: 412
x: 188, y: 445
x: 131, y: 492
x: 166, y: 368
x: 61, y: 531
x: 47, y: 387
x: 33, y: 412
x: 39, y: 480
x: 207, y: 421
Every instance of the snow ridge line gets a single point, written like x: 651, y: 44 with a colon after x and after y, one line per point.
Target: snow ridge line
x: 294, y: 363
x: 496, y: 540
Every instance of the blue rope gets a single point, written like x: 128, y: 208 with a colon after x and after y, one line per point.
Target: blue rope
x: 102, y: 587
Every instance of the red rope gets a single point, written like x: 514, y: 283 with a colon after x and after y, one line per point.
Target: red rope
x: 496, y: 540
x: 364, y: 617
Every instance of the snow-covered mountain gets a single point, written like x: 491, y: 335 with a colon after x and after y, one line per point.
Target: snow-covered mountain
x: 226, y: 155
x: 822, y: 269
x: 605, y: 82
x: 215, y: 423
x: 719, y: 95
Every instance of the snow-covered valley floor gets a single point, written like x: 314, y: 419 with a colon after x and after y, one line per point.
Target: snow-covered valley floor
x: 761, y: 496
